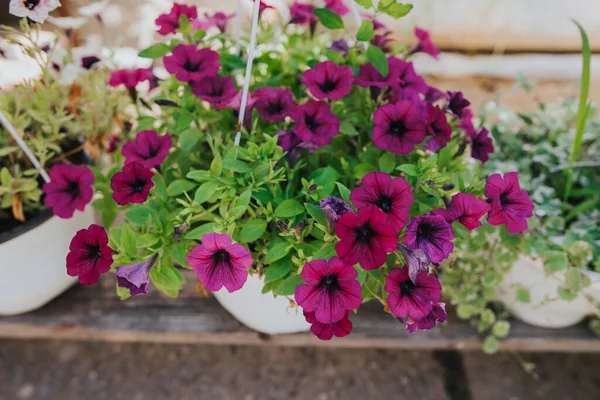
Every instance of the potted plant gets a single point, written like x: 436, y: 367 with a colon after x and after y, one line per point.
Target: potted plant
x: 310, y: 170
x: 51, y: 127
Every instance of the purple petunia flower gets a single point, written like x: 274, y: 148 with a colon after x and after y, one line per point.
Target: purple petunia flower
x: 219, y: 263
x: 369, y: 76
x: 69, y: 189
x: 189, y: 63
x: 437, y: 314
x: 216, y: 90
x: 136, y: 277
x: 481, y: 145
x: 509, y: 204
x: 337, y: 6
x: 457, y: 103
x: 366, y: 238
x: 402, y: 76
x: 331, y: 288
x: 408, y: 298
x: 315, y: 122
x: 89, y: 255
x: 303, y: 14
x: 218, y: 20
x: 327, y: 80
x: 383, y: 41
x: 132, y: 185
x: 433, y: 94
x: 169, y: 23
x: 129, y: 78
x: 323, y: 331
x: 274, y: 104
x: 236, y: 104
x: 392, y: 196
x: 438, y: 126
x: 148, y: 148
x: 334, y: 208
x: 399, y: 127
x: 416, y: 260
x: 291, y: 143
x: 87, y: 62
x: 341, y: 47
x: 466, y: 123
x: 425, y: 44
x: 465, y: 208
x: 432, y: 234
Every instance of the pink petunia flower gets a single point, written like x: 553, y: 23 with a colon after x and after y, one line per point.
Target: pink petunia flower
x: 218, y: 20
x: 433, y: 94
x: 148, y: 148
x: 216, y: 90
x: 366, y: 238
x: 383, y: 41
x: 334, y: 208
x: 432, y: 234
x: 136, y: 277
x: 274, y: 104
x: 129, y: 78
x: 323, y: 331
x: 425, y: 44
x: 399, y: 127
x: 392, y: 196
x: 408, y: 298
x: 303, y: 14
x: 189, y: 63
x: 35, y: 10
x: 330, y: 290
x: 327, y: 80
x: 132, y: 185
x: 457, y: 103
x: 465, y: 208
x: 437, y: 314
x: 89, y: 255
x: 466, y: 123
x: 263, y: 7
x: 235, y: 104
x: 481, y: 145
x: 437, y: 126
x: 337, y: 6
x: 509, y: 204
x: 169, y: 23
x: 402, y: 76
x: 291, y: 143
x: 219, y: 262
x: 69, y: 189
x: 315, y: 122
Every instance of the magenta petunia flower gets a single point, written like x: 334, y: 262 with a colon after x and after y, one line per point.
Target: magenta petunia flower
x: 425, y: 44
x: 218, y: 20
x: 432, y: 234
x: 481, y: 145
x: 136, y: 277
x: 303, y: 14
x: 219, y: 263
x: 69, y: 189
x: 315, y: 122
x: 466, y: 123
x: 392, y: 196
x: 264, y: 7
x: 438, y: 126
x: 132, y: 185
x: 457, y: 103
x: 408, y: 298
x: 399, y: 127
x: 416, y: 260
x: 274, y: 104
x: 331, y: 288
x: 366, y: 238
x: 369, y: 76
x: 433, y: 94
x: 291, y: 143
x: 334, y: 208
x: 402, y: 76
x: 465, y: 208
x: 337, y: 6
x: 327, y: 80
x: 89, y: 255
x: 509, y: 204
x: 437, y: 314
x: 323, y: 331
x: 148, y: 148
x: 129, y: 78
x: 216, y: 90
x: 169, y: 23
x: 189, y: 63
x: 383, y: 41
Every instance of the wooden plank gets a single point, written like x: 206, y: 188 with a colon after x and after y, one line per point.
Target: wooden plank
x: 94, y: 313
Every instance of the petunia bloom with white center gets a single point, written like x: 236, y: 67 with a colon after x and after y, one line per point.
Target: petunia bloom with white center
x: 35, y: 10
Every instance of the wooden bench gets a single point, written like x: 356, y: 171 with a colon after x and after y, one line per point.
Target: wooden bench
x: 96, y: 314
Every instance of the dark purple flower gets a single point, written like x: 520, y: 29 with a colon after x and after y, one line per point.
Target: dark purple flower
x: 366, y: 238
x: 274, y: 104
x: 383, y: 41
x: 425, y: 44
x: 402, y: 76
x: 392, y: 196
x: 438, y: 126
x: 331, y: 288
x: 218, y: 20
x: 136, y: 277
x: 303, y: 14
x: 315, y: 122
x: 334, y: 208
x: 219, y: 263
x: 148, y: 148
x: 169, y: 23
x: 291, y: 143
x: 132, y: 185
x: 327, y: 80
x: 481, y: 145
x: 457, y: 103
x: 323, y: 331
x: 466, y: 123
x: 509, y: 204
x: 216, y: 90
x: 416, y: 260
x: 337, y: 6
x: 433, y: 94
x: 88, y: 62
x: 399, y: 127
x: 69, y: 189
x: 89, y: 255
x: 408, y: 298
x: 129, y: 78
x: 369, y: 76
x: 466, y: 209
x: 341, y: 47
x: 189, y: 63
x: 437, y: 314
x: 432, y: 234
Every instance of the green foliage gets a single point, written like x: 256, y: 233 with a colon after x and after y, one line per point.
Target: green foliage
x: 329, y: 19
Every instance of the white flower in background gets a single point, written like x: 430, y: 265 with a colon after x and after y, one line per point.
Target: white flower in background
x: 35, y: 10
x: 10, y: 51
x: 95, y: 9
x: 68, y: 22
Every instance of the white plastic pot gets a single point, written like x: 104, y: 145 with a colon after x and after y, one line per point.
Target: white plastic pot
x: 32, y: 264
x: 545, y: 309
x: 262, y: 312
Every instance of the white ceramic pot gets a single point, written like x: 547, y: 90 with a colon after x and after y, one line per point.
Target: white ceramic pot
x: 32, y: 264
x: 262, y: 312
x: 545, y: 309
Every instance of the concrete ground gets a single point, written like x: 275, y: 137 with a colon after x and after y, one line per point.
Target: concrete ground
x: 94, y: 371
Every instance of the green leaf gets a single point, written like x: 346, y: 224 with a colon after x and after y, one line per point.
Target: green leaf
x: 361, y: 170
x: 253, y: 230
x: 394, y: 9
x: 288, y: 286
x: 573, y: 280
x: 523, y: 295
x: 365, y: 32
x: 289, y: 208
x: 408, y: 169
x: 168, y: 279
x: 365, y: 3
x: 197, y: 233
x: 128, y: 240
x: 566, y: 294
x: 277, y: 252
x: 344, y: 192
x: 329, y: 19
x: 155, y: 51
x: 377, y: 57
x: 188, y: 138
x: 145, y: 241
x: 179, y: 186
x: 555, y: 261
x: 205, y: 192
x: 138, y: 215
x: 325, y: 252
x: 278, y: 270
x: 316, y: 212
x: 347, y: 128
x: 387, y: 162
x: 331, y: 56
x: 491, y: 345
x: 236, y: 166
x: 501, y: 329
x: 216, y: 166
